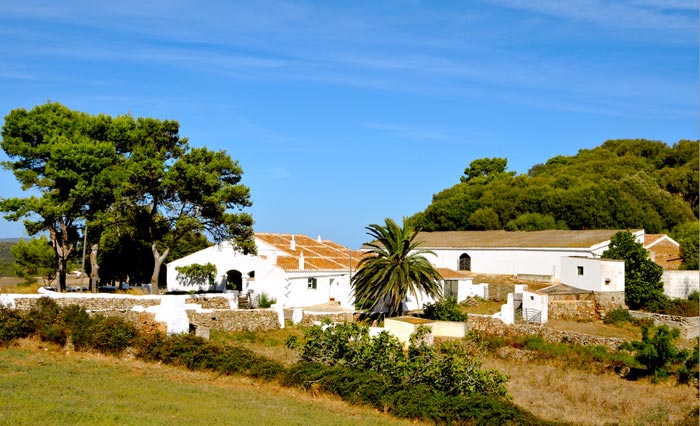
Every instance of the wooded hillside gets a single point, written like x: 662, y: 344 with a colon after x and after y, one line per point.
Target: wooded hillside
x: 622, y: 184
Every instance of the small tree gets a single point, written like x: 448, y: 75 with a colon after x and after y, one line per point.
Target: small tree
x: 196, y: 274
x: 393, y: 268
x: 643, y: 286
x: 656, y: 350
x: 35, y: 258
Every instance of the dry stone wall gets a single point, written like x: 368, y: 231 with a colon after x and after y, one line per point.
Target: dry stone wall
x: 494, y: 326
x: 236, y: 320
x: 93, y: 303
x: 689, y: 326
x: 573, y: 310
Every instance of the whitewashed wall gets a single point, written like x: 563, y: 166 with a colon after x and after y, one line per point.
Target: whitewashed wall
x: 507, y: 261
x: 679, y: 284
x: 600, y: 275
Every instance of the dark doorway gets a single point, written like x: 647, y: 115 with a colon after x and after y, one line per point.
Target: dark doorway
x: 234, y: 280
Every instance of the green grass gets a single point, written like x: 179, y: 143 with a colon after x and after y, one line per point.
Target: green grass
x: 49, y: 387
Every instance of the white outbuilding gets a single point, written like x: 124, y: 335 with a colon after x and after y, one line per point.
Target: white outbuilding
x: 294, y: 269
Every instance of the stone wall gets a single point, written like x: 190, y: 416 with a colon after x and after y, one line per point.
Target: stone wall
x: 494, y: 326
x: 211, y: 301
x: 607, y: 301
x: 689, y: 326
x: 90, y: 302
x: 573, y: 310
x: 309, y: 318
x: 584, y: 307
x: 236, y: 320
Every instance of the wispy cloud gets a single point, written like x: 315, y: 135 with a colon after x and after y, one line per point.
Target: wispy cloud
x: 656, y: 15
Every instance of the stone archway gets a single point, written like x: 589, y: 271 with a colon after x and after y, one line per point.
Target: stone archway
x: 234, y: 280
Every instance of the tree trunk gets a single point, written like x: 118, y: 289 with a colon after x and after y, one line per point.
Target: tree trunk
x: 157, y: 261
x: 63, y: 251
x: 94, y: 268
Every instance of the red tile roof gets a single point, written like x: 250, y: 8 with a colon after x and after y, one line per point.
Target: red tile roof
x: 321, y: 255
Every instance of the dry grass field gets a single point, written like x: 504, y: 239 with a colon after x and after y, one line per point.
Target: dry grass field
x: 553, y: 392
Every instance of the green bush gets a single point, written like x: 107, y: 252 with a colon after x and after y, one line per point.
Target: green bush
x: 110, y: 335
x: 446, y: 367
x: 46, y: 320
x: 618, y: 317
x: 266, y: 301
x: 656, y: 351
x: 444, y: 310
x: 680, y: 307
x: 13, y: 325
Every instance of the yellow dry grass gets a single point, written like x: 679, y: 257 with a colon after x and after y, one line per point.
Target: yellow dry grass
x: 552, y: 392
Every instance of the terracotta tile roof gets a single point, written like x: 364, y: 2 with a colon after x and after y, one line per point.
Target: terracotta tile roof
x: 322, y: 255
x: 506, y: 239
x: 651, y: 239
x: 451, y: 274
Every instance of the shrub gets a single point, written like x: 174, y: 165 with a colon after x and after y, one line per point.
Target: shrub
x: 45, y: 316
x: 444, y: 310
x: 266, y: 300
x: 656, y: 351
x: 680, y: 307
x: 110, y: 335
x: 618, y: 316
x: 13, y: 325
x: 447, y: 367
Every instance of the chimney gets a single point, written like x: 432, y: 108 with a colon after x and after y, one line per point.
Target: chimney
x: 301, y: 260
x: 293, y: 244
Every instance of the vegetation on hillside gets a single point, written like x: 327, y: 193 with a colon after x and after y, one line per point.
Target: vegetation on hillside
x: 622, y: 184
x: 7, y: 259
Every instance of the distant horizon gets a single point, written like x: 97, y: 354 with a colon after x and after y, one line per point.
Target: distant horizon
x: 342, y: 116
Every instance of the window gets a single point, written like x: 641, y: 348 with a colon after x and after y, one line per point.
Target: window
x: 465, y: 262
x: 579, y: 269
x: 451, y: 288
x: 311, y: 284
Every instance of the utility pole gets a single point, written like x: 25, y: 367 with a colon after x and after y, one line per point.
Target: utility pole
x: 82, y: 273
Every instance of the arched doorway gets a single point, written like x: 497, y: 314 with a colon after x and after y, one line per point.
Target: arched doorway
x: 465, y: 262
x: 234, y: 280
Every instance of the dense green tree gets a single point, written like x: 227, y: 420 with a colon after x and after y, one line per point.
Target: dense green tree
x: 688, y: 237
x: 484, y: 170
x: 62, y: 158
x: 35, y: 258
x: 136, y: 180
x: 394, y: 267
x: 643, y: 286
x: 531, y: 222
x: 484, y: 219
x: 180, y: 190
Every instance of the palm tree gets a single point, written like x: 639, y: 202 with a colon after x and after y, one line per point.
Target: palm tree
x: 393, y: 268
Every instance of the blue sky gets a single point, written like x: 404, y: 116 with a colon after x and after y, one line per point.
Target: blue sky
x: 343, y: 113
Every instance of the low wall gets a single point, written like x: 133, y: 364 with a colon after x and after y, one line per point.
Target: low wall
x: 689, y: 326
x: 89, y: 302
x: 309, y: 318
x: 215, y: 312
x: 572, y: 310
x: 679, y: 284
x: 584, y: 307
x: 236, y: 320
x: 494, y: 326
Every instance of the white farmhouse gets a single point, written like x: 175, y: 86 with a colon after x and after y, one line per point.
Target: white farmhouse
x: 535, y: 255
x: 296, y: 270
